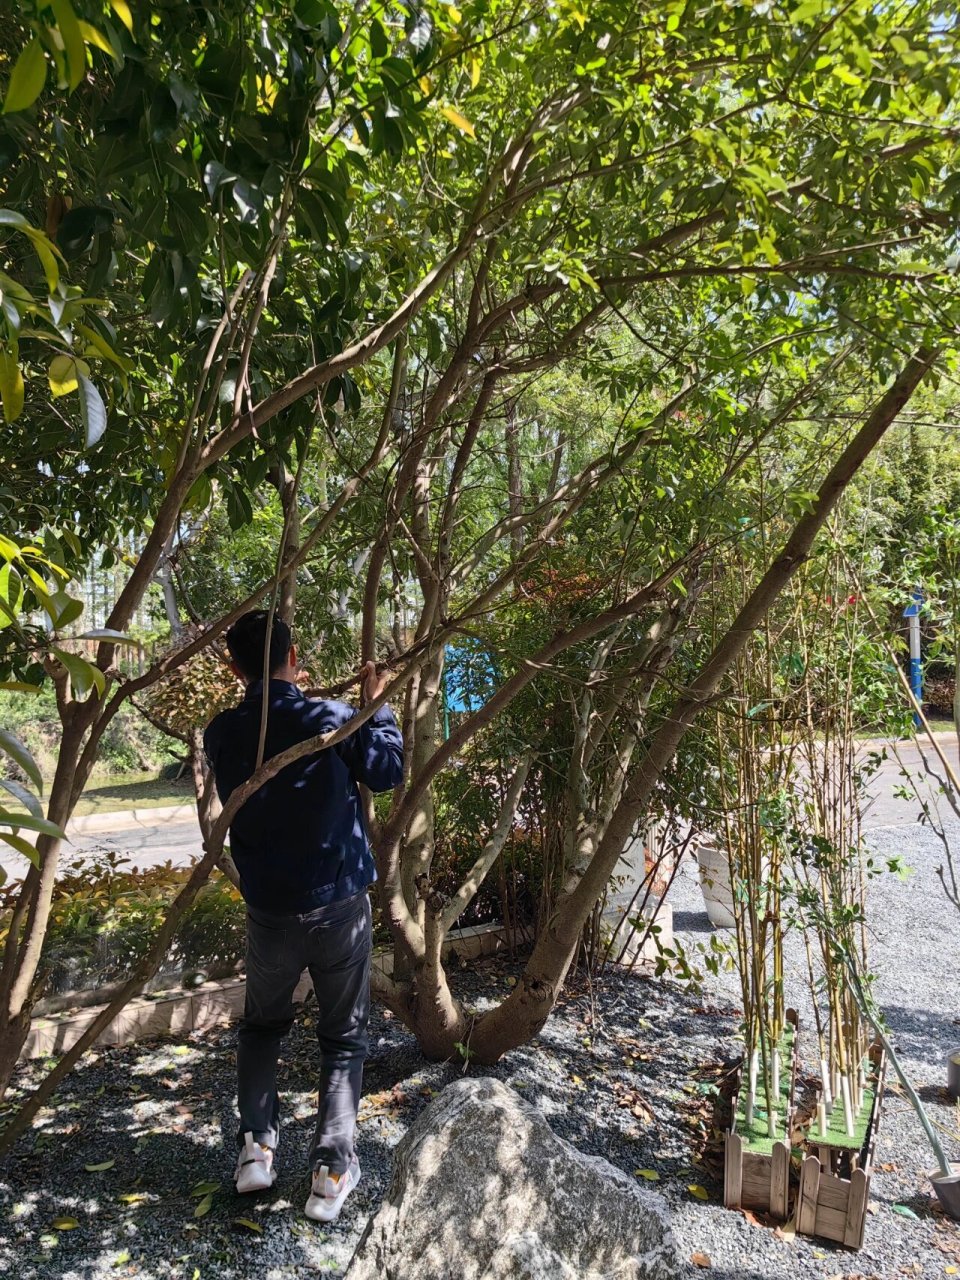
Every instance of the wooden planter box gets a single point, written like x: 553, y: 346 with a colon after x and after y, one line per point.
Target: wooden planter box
x: 835, y: 1181
x: 753, y: 1179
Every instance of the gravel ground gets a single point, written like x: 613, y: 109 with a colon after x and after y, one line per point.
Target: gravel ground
x: 627, y: 1069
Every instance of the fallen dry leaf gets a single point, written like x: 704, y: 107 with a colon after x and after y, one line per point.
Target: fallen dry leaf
x: 701, y: 1259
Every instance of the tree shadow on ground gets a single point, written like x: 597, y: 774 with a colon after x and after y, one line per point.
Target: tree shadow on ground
x: 617, y: 1072
x: 162, y: 1115
x: 922, y: 1034
x: 692, y: 922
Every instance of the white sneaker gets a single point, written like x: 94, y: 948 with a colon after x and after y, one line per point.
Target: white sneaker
x: 255, y: 1171
x: 328, y: 1192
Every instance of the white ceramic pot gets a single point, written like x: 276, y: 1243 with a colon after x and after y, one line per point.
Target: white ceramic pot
x: 714, y: 868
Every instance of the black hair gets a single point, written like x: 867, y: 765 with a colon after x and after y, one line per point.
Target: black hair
x: 245, y: 640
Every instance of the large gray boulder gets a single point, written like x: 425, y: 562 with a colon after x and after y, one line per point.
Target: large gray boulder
x: 483, y: 1189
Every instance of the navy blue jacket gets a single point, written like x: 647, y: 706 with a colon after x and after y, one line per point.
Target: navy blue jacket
x: 300, y: 841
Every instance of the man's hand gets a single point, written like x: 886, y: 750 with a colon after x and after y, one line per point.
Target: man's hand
x: 373, y: 682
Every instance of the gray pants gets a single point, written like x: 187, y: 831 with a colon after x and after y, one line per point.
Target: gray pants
x: 334, y: 943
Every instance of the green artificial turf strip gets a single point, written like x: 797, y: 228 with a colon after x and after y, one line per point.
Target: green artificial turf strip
x: 755, y: 1137
x: 836, y: 1126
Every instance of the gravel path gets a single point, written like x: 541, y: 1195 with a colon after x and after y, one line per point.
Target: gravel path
x: 627, y: 1070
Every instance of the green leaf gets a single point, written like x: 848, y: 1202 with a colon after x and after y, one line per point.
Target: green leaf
x: 100, y: 1168
x: 103, y: 347
x: 905, y: 1211
x: 70, y: 612
x: 62, y: 374
x: 378, y: 39
x: 26, y: 798
x: 204, y: 1207
x: 92, y: 36
x: 249, y: 1224
x: 47, y: 252
x: 122, y: 10
x: 30, y: 823
x: 205, y: 1188
x: 69, y: 29
x: 14, y: 748
x: 65, y: 1224
x: 106, y: 633
x: 18, y: 686
x: 701, y: 1193
x: 808, y: 9
x: 11, y: 387
x: 420, y: 29
x: 846, y: 76
x: 83, y: 675
x: 121, y: 1258
x: 27, y: 79
x: 22, y: 846
x: 651, y: 1175
x: 93, y: 412
x: 461, y: 121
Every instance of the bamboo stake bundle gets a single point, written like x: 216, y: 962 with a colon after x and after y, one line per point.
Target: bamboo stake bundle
x: 756, y: 763
x: 828, y: 861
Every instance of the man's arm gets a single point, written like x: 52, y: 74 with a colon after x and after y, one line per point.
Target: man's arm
x: 374, y: 754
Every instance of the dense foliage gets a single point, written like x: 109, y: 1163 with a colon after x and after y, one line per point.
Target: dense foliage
x: 496, y: 326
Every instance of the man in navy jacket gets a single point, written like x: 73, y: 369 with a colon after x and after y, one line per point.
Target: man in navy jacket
x: 301, y: 849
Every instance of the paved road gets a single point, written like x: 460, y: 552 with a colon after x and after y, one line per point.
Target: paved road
x: 145, y: 845
x: 886, y: 809
x: 152, y: 843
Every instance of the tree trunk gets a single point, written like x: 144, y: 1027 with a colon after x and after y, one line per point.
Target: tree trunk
x: 438, y: 1019
x: 285, y: 483
x: 13, y: 1035
x: 170, y: 605
x: 22, y: 954
x: 526, y: 1010
x: 514, y: 478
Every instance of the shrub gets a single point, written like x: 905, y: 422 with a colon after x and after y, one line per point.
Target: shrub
x: 130, y: 743
x: 104, y: 919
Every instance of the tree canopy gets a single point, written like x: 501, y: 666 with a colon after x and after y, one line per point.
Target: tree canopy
x: 516, y: 324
